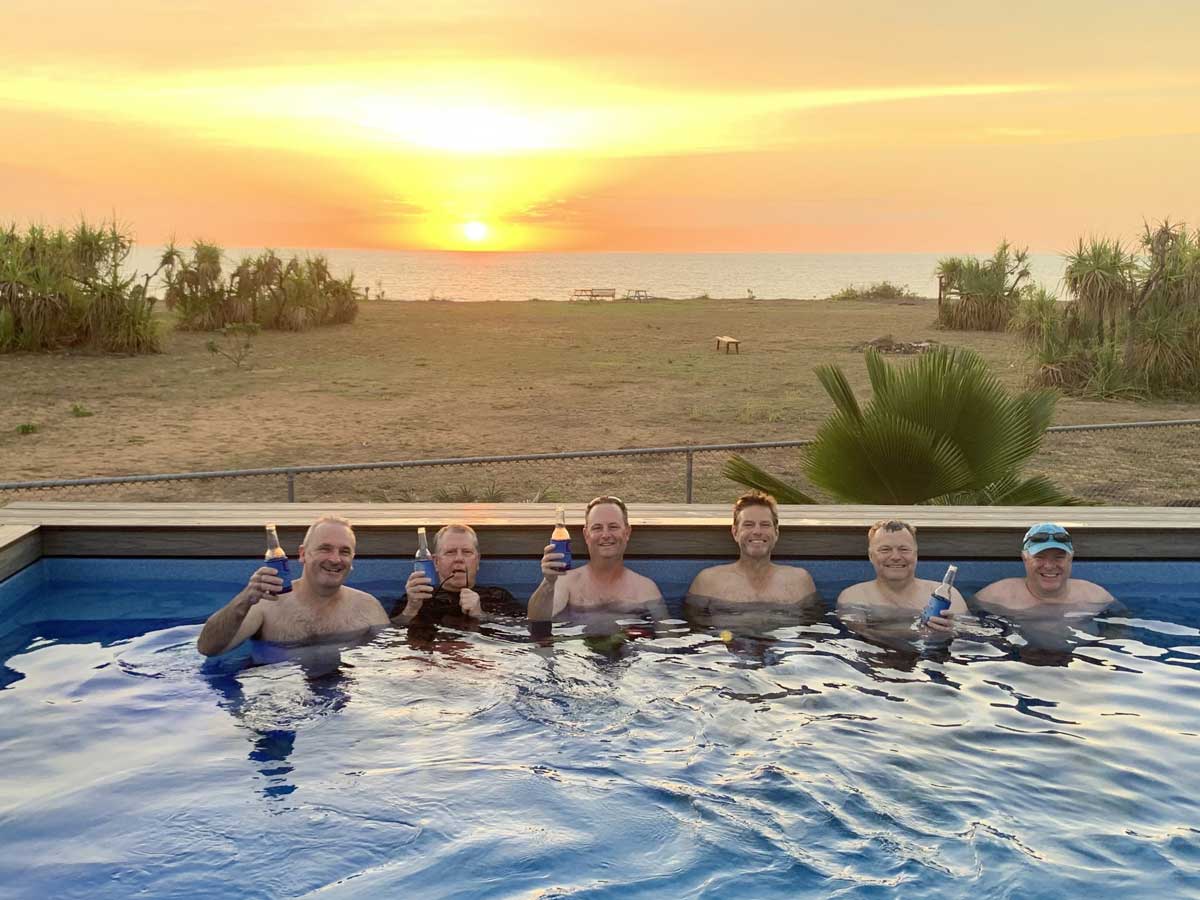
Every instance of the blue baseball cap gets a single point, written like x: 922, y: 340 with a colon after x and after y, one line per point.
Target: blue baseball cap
x: 1047, y: 536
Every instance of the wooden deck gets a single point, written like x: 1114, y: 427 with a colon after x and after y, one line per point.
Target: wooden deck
x: 32, y: 529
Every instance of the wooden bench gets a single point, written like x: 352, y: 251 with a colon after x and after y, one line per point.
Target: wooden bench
x: 729, y: 342
x: 594, y: 294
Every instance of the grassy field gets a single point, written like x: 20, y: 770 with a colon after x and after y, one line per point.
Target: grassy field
x: 415, y: 380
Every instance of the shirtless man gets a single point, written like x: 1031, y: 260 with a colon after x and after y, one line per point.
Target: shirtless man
x: 1047, y: 551
x: 318, y: 608
x: 456, y: 558
x: 897, y: 595
x: 753, y: 579
x: 603, y: 584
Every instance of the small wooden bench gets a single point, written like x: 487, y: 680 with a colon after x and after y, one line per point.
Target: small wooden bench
x: 729, y: 342
x: 594, y: 294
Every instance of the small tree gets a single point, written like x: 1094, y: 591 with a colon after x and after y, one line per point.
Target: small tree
x: 1132, y: 326
x: 237, y: 340
x: 981, y: 296
x: 942, y: 430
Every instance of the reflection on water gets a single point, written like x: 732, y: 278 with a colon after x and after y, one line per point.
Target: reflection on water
x: 750, y: 752
x: 284, y: 689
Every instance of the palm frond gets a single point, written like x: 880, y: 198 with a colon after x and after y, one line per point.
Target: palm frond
x: 741, y: 470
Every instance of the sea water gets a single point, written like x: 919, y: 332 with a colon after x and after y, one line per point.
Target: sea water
x: 476, y: 276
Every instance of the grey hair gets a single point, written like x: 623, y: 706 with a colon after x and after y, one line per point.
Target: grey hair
x: 327, y: 519
x: 455, y: 528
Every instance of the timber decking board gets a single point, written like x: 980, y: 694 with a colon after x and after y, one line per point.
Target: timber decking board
x: 661, y: 530
x: 20, y: 545
x: 529, y: 514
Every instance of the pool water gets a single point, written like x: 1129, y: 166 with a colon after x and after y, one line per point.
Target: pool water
x: 796, y: 761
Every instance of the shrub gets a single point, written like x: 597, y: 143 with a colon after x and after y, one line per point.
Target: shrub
x: 1132, y: 327
x: 941, y: 430
x: 981, y: 295
x: 286, y: 295
x: 879, y: 290
x: 67, y: 289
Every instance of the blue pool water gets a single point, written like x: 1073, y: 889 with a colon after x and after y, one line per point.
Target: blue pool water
x: 797, y: 761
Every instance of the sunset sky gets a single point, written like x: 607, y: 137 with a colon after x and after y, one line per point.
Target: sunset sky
x: 531, y: 125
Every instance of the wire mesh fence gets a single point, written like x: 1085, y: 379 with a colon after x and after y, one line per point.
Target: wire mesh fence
x: 1135, y: 464
x: 1146, y: 465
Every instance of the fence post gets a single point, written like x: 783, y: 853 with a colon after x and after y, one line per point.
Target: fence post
x: 291, y: 477
x: 688, y: 490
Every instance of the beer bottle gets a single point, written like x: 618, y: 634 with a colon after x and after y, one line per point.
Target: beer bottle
x: 423, y: 561
x: 939, y: 600
x: 277, y: 559
x: 561, y: 538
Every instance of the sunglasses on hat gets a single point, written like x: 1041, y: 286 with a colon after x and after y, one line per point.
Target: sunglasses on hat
x: 1043, y: 537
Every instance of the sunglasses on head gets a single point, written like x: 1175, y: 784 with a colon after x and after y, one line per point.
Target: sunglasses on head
x: 616, y: 501
x: 1043, y: 537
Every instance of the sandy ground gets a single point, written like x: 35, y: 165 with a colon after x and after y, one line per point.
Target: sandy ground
x: 418, y: 380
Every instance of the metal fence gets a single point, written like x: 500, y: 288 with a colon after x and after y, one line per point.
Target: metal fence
x: 1127, y: 463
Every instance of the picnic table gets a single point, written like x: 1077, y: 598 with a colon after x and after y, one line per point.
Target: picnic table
x: 594, y: 294
x: 729, y: 342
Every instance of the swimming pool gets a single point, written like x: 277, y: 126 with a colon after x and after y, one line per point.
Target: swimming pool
x: 802, y: 762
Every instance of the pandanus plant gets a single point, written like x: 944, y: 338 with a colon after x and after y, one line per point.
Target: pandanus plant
x: 942, y: 430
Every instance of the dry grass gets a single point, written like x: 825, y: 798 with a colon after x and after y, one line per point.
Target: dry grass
x: 413, y: 380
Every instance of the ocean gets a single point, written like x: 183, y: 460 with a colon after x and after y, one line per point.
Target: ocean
x: 483, y: 276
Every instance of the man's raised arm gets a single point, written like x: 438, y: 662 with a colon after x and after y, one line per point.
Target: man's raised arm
x: 547, y: 601
x: 240, y: 618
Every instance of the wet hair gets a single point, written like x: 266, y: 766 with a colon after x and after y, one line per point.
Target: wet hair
x: 454, y: 528
x: 327, y: 519
x: 891, y: 525
x: 605, y: 498
x: 756, y: 498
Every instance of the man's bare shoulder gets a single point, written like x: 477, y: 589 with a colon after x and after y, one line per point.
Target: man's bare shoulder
x: 857, y: 594
x: 1090, y: 594
x: 644, y: 588
x: 1004, y: 592
x: 713, y: 577
x: 368, y: 604
x: 794, y: 576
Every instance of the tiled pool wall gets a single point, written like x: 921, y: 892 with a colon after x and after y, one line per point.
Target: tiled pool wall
x: 177, y: 588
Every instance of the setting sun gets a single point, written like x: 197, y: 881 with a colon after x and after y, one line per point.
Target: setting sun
x: 475, y: 231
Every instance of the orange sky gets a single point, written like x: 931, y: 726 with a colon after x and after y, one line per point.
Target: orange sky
x: 683, y: 125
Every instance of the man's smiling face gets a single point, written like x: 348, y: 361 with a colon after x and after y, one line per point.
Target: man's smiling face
x: 328, y: 556
x: 605, y: 532
x: 756, y: 532
x: 1048, y: 572
x: 894, y: 555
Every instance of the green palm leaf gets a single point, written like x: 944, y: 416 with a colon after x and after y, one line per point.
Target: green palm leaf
x: 884, y: 459
x: 838, y: 388
x: 942, y: 429
x: 739, y: 469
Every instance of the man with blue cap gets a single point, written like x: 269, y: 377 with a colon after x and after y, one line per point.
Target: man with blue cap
x: 1047, y: 552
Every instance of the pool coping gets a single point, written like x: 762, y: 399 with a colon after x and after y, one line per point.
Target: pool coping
x: 30, y: 530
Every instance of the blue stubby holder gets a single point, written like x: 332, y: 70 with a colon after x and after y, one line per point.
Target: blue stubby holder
x: 430, y: 570
x: 280, y: 565
x: 564, y: 547
x: 935, y: 607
